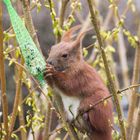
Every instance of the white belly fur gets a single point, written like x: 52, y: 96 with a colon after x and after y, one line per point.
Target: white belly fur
x: 71, y: 104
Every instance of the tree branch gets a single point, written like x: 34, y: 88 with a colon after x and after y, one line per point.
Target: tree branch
x: 133, y: 98
x: 47, y: 122
x: 108, y: 97
x: 21, y: 119
x: 62, y: 15
x: 17, y: 98
x: 29, y: 22
x: 136, y: 131
x: 70, y: 129
x: 110, y: 80
x: 3, y: 80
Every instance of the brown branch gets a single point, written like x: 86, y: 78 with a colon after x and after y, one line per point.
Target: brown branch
x: 38, y: 86
x: 121, y: 44
x: 70, y: 129
x: 122, y: 55
x: 136, y: 131
x: 55, y: 132
x: 64, y: 4
x: 3, y: 80
x: 47, y: 122
x: 108, y: 19
x: 110, y: 80
x: 29, y: 22
x: 108, y: 97
x: 19, y: 129
x: 62, y: 12
x: 133, y: 98
x: 105, y: 27
x: 52, y: 13
x: 32, y: 129
x: 66, y: 136
x: 123, y: 58
x: 21, y: 119
x: 17, y: 98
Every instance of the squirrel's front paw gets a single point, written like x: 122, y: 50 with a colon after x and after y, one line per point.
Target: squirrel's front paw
x: 49, y: 71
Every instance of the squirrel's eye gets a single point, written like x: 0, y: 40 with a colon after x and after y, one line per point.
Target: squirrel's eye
x: 64, y: 55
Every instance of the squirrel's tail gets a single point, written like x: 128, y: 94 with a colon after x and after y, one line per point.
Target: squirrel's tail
x: 100, y: 136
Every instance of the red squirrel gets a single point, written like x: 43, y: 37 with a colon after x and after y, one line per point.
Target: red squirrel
x: 79, y: 86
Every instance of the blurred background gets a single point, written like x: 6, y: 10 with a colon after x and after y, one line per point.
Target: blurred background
x: 117, y: 30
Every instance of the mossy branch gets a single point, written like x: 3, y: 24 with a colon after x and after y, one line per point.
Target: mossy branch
x: 108, y: 73
x: 3, y: 79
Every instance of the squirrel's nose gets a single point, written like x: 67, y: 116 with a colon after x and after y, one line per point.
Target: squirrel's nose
x: 49, y: 62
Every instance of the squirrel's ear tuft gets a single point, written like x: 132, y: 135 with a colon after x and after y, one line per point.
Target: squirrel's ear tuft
x: 68, y: 35
x: 78, y: 40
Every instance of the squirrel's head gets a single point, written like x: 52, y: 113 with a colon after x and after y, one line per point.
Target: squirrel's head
x: 67, y: 53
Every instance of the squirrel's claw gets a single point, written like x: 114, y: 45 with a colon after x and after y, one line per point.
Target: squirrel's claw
x: 47, y: 75
x: 49, y: 71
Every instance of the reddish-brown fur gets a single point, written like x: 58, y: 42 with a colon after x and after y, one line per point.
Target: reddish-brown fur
x: 82, y: 81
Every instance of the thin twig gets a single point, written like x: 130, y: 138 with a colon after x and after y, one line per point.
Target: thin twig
x: 57, y: 130
x: 32, y: 129
x: 21, y: 119
x: 29, y: 22
x: 47, y: 122
x: 19, y: 129
x: 17, y: 99
x: 38, y: 86
x: 3, y: 80
x: 136, y: 131
x: 11, y: 27
x: 108, y: 97
x: 1, y: 129
x: 63, y: 11
x: 52, y: 13
x: 64, y: 4
x: 121, y: 44
x: 110, y: 80
x: 105, y: 27
x: 66, y: 136
x: 133, y: 99
x: 123, y: 58
x: 70, y: 129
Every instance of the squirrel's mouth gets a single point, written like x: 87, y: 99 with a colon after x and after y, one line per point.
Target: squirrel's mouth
x: 60, y: 69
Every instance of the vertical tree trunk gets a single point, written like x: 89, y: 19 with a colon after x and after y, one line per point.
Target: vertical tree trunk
x: 3, y: 80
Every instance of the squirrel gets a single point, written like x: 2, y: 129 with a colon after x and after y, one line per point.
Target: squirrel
x: 79, y: 86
